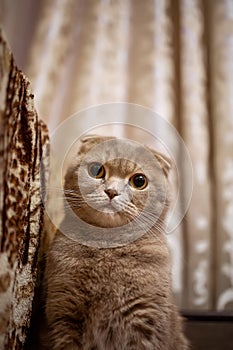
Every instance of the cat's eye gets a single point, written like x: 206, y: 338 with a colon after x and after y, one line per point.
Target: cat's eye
x: 138, y: 181
x: 96, y: 170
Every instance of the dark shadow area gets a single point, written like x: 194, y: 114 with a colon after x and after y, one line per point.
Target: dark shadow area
x: 209, y: 330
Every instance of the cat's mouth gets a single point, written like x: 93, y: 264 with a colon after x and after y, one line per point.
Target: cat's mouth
x: 103, y: 204
x: 109, y: 208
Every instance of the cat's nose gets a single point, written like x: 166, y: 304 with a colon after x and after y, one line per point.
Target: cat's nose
x: 111, y: 192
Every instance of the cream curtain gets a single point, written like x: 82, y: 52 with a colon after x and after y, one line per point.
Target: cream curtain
x: 175, y: 57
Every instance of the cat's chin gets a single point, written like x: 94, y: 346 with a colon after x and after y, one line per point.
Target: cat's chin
x: 110, y: 209
x: 108, y: 217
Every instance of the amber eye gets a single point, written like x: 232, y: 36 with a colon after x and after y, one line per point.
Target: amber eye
x: 96, y: 170
x: 138, y: 181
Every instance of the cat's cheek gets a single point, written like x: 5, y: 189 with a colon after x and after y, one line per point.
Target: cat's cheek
x: 88, y: 185
x: 140, y: 199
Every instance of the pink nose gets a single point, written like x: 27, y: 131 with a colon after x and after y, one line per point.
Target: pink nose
x: 111, y: 193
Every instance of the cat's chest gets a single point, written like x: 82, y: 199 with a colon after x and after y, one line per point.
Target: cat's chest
x: 109, y: 277
x: 110, y: 268
x: 114, y: 271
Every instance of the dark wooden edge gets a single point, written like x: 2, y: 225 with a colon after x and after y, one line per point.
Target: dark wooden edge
x: 208, y: 316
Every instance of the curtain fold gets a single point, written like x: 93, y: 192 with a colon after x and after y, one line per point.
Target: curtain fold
x: 221, y: 88
x: 195, y: 131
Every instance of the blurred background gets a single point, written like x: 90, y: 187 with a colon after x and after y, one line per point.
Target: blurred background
x: 172, y: 56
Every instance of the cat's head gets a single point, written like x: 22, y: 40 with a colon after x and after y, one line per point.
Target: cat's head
x: 117, y: 181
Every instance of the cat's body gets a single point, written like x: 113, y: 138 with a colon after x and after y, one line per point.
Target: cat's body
x: 113, y: 298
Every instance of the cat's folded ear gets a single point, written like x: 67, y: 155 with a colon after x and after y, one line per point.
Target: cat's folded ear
x: 165, y: 162
x: 90, y: 138
x: 95, y: 139
x: 89, y: 141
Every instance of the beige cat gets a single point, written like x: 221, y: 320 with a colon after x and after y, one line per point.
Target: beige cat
x: 112, y: 291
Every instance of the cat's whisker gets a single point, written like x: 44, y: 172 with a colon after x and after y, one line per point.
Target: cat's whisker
x: 94, y: 198
x: 59, y: 189
x: 146, y: 228
x: 60, y: 193
x: 152, y: 220
x: 129, y: 205
x: 73, y: 204
x: 158, y: 222
x: 74, y: 200
x: 130, y: 212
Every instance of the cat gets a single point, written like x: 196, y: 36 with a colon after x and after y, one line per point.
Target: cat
x: 113, y: 293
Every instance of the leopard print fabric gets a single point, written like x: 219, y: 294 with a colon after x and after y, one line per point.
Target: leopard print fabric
x: 23, y: 165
